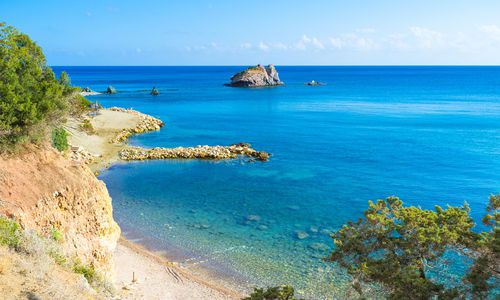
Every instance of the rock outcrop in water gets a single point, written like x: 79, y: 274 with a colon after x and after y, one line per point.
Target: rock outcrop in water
x: 198, y: 152
x: 110, y: 90
x: 257, y: 76
x: 155, y: 92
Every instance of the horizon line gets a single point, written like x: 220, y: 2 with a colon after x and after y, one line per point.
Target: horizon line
x: 285, y: 65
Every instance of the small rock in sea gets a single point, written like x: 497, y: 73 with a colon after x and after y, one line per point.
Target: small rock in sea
x: 313, y: 229
x: 110, y: 90
x: 262, y: 227
x: 301, y: 234
x: 155, y: 91
x: 255, y: 218
x: 314, y: 83
x: 319, y: 246
x: 87, y: 90
x: 192, y: 211
x: 293, y: 207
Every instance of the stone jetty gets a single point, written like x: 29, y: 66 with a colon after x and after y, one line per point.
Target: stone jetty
x: 147, y: 123
x: 198, y: 152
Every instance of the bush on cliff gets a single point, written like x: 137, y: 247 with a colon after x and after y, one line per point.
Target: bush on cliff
x: 10, y: 233
x: 30, y: 95
x: 60, y: 139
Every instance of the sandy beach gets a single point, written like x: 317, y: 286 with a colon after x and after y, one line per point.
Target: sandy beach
x: 157, y: 278
x: 140, y: 274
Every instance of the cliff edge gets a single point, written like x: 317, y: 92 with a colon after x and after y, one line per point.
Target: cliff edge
x: 45, y: 191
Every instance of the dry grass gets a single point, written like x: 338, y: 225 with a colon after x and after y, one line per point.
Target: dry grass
x: 36, y: 268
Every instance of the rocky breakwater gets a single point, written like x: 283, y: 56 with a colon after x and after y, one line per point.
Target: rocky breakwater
x: 198, y: 152
x: 147, y: 123
x: 258, y: 76
x: 48, y: 193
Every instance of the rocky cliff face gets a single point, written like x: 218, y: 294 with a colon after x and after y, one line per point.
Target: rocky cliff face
x: 257, y: 76
x: 45, y: 191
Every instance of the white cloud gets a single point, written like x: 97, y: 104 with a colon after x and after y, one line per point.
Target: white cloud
x: 302, y: 43
x: 246, y: 46
x: 353, y: 41
x: 398, y: 41
x: 427, y: 38
x: 493, y: 31
x: 263, y: 46
x: 317, y: 44
x: 307, y: 42
x: 280, y: 46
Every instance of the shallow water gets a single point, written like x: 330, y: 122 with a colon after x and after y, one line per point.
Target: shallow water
x: 429, y: 135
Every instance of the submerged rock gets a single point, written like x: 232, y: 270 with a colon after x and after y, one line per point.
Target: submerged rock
x: 257, y: 76
x: 262, y: 227
x: 110, y: 90
x: 319, y: 246
x: 313, y: 229
x: 255, y: 218
x: 155, y: 91
x: 301, y: 234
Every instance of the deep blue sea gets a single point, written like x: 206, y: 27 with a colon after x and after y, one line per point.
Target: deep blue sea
x: 430, y: 135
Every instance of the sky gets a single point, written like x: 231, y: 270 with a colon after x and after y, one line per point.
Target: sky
x: 320, y: 32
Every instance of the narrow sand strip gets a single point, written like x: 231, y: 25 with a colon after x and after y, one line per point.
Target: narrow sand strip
x: 156, y: 278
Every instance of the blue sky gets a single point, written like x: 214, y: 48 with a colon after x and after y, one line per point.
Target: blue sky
x: 282, y: 32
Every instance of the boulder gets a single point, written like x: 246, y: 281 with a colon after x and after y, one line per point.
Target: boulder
x: 257, y: 76
x: 110, y: 90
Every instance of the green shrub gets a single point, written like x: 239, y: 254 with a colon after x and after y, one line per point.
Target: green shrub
x: 284, y: 292
x: 87, y: 271
x: 10, y: 232
x: 60, y: 139
x: 58, y: 257
x: 56, y: 235
x: 30, y: 95
x: 87, y: 126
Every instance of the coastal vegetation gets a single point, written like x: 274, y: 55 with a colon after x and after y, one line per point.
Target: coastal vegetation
x: 60, y: 139
x: 415, y: 251
x: 44, y: 258
x: 32, y: 99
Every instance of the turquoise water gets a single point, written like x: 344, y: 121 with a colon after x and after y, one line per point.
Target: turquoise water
x: 430, y: 135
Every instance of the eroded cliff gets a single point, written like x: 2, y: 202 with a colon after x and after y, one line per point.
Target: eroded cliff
x: 47, y: 192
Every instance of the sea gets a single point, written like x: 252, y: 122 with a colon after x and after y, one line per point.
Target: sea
x: 427, y: 134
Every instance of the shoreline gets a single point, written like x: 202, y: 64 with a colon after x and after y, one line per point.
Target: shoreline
x: 170, y: 269
x: 99, y: 149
